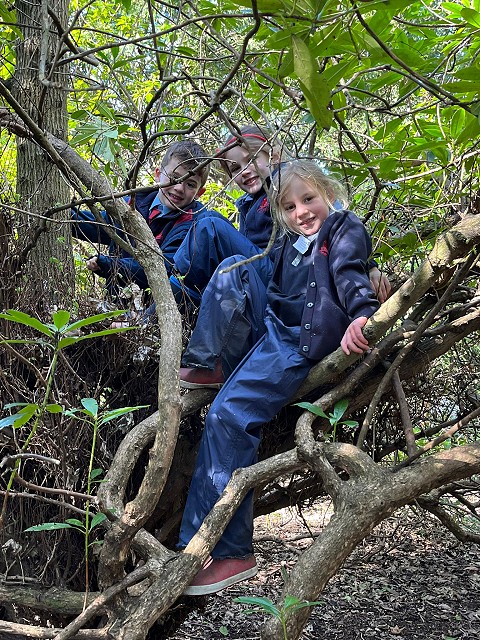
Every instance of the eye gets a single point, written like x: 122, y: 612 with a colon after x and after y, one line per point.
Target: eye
x: 288, y: 207
x: 191, y: 185
x: 234, y: 168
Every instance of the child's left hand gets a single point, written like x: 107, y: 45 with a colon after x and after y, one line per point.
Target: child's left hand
x: 353, y: 340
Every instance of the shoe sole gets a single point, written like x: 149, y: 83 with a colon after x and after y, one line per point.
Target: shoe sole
x: 206, y: 589
x: 198, y: 385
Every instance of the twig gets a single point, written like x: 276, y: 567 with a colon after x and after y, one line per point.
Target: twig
x: 405, y: 414
x: 25, y: 456
x: 136, y: 576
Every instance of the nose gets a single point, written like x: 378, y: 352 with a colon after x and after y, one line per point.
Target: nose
x: 302, y: 210
x: 177, y: 186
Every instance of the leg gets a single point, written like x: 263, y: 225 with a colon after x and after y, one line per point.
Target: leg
x: 206, y: 245
x: 256, y: 391
x: 230, y: 320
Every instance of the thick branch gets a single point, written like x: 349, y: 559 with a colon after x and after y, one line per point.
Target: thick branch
x: 370, y: 501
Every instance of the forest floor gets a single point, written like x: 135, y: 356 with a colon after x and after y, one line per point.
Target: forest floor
x: 409, y: 580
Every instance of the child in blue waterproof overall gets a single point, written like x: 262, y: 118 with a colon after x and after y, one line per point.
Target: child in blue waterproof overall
x: 171, y: 211
x: 319, y: 297
x: 211, y: 355
x: 248, y: 162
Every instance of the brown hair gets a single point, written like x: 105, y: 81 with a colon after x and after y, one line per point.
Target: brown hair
x: 310, y: 172
x: 189, y: 155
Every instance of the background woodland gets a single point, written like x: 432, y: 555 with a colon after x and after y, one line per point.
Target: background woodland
x: 97, y: 441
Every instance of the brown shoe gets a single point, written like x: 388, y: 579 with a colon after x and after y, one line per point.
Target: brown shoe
x: 201, y: 378
x: 221, y: 573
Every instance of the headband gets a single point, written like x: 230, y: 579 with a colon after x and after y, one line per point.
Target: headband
x: 245, y: 135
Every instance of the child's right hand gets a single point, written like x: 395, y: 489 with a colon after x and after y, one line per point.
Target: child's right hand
x: 92, y: 264
x: 353, y: 340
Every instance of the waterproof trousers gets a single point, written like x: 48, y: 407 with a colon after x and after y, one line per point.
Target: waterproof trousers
x: 261, y: 385
x: 206, y: 245
x: 231, y: 316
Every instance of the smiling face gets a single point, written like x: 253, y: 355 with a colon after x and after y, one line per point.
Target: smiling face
x: 181, y: 194
x: 304, y: 207
x: 245, y: 172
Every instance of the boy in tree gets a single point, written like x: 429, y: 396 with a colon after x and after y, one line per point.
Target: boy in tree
x: 170, y: 213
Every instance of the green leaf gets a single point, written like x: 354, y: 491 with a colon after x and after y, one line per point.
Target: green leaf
x: 116, y: 413
x: 302, y: 605
x: 49, y: 526
x: 339, y: 409
x: 90, y: 405
x: 75, y: 523
x: 263, y: 603
x: 471, y: 16
x: 54, y: 408
x: 315, y: 88
x: 23, y: 318
x: 318, y: 411
x: 223, y: 630
x: 290, y: 601
x: 95, y: 473
x: 19, y: 419
x: 97, y: 519
x: 66, y: 342
x: 60, y: 319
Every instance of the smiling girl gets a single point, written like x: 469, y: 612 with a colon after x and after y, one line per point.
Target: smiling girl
x: 318, y: 298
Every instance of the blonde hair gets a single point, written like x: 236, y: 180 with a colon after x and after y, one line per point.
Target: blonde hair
x: 252, y: 138
x: 310, y: 172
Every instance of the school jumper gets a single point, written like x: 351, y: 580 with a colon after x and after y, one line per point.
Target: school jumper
x: 225, y: 329
x: 311, y: 300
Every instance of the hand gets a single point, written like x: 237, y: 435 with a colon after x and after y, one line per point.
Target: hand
x: 92, y: 264
x: 353, y: 340
x: 380, y: 284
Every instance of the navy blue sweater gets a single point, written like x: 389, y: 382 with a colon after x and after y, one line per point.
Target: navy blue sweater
x: 338, y: 288
x: 169, y: 226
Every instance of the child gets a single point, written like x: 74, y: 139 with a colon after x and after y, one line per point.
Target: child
x: 217, y: 342
x: 170, y: 211
x: 319, y: 298
x: 249, y: 164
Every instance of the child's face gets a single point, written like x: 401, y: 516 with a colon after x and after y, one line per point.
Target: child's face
x: 247, y: 174
x: 177, y: 196
x: 304, y: 206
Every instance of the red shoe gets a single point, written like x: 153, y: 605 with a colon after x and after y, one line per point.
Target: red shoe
x: 201, y: 378
x: 219, y: 574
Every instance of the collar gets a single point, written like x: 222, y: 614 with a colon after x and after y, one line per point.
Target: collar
x: 302, y: 243
x: 165, y: 211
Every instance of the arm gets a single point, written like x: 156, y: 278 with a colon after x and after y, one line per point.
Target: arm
x: 350, y: 247
x: 126, y: 269
x: 86, y: 226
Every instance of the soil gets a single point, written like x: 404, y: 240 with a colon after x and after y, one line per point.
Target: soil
x: 409, y: 580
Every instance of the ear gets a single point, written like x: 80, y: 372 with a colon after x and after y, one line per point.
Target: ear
x: 157, y: 174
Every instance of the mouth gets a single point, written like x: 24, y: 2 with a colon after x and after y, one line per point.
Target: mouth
x: 307, y: 223
x: 173, y: 197
x: 250, y: 181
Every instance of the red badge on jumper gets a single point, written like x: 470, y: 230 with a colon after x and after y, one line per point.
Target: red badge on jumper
x: 324, y: 249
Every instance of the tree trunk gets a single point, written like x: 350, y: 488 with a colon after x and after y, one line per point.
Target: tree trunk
x: 44, y: 263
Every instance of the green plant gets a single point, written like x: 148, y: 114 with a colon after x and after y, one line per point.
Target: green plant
x: 334, y: 418
x: 289, y: 606
x: 91, y: 415
x: 55, y: 336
